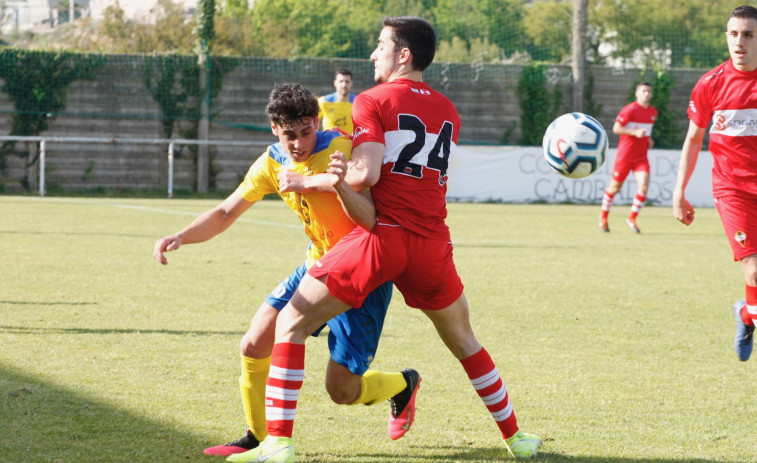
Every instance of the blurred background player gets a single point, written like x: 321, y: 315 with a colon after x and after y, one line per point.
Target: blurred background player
x: 336, y: 108
x: 289, y: 169
x: 634, y: 125
x: 727, y: 96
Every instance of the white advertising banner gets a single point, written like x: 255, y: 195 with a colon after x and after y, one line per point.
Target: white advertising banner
x: 515, y: 174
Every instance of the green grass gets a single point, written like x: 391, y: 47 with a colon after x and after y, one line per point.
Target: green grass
x: 615, y: 348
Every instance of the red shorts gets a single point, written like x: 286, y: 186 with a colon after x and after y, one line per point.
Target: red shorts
x: 421, y: 268
x: 625, y: 164
x: 738, y: 214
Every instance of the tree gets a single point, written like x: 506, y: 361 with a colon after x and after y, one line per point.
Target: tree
x: 547, y: 26
x: 204, y: 35
x: 332, y: 28
x: 670, y: 34
x: 493, y: 22
x: 171, y: 33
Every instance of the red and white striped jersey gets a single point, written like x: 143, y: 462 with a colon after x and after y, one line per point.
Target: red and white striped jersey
x: 635, y: 116
x: 727, y: 97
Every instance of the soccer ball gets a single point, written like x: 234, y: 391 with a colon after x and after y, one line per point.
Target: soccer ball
x: 575, y: 145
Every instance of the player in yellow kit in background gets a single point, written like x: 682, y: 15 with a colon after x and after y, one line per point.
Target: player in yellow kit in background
x: 335, y: 109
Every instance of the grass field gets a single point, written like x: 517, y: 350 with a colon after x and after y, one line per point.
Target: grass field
x: 615, y: 348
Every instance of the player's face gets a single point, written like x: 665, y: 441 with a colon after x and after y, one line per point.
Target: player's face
x: 298, y: 140
x: 343, y: 84
x: 385, y: 59
x: 643, y: 94
x: 742, y: 43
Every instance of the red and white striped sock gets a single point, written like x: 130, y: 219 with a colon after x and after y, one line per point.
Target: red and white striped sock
x: 283, y: 387
x: 638, y: 203
x: 606, y: 204
x: 749, y: 312
x: 485, y: 378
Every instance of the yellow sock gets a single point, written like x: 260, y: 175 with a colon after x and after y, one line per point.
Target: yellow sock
x: 378, y: 386
x: 252, y: 384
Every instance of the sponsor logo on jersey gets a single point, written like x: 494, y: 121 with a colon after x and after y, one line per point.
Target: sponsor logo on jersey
x: 735, y: 122
x: 718, y: 122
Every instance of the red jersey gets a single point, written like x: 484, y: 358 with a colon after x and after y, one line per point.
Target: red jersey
x: 418, y: 127
x: 728, y: 98
x: 635, y: 116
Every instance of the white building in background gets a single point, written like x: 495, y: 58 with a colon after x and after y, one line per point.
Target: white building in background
x: 140, y: 10
x: 40, y: 15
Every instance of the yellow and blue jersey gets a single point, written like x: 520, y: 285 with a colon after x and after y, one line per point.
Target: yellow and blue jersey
x: 335, y: 113
x: 321, y: 213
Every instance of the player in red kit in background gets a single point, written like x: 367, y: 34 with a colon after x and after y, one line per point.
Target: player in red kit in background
x: 634, y: 125
x: 727, y: 97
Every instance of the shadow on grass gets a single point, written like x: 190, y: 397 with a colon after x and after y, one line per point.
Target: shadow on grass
x: 451, y: 454
x: 48, y: 330
x: 44, y: 422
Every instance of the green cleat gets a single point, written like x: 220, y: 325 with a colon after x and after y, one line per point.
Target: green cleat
x: 522, y: 445
x: 272, y: 450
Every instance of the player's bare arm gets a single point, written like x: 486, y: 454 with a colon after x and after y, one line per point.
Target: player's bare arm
x: 204, y: 227
x: 365, y: 167
x: 682, y: 209
x: 358, y: 205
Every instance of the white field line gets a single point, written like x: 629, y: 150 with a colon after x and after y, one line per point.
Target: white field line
x: 156, y: 209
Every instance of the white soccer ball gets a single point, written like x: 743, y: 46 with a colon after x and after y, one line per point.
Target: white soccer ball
x: 575, y: 145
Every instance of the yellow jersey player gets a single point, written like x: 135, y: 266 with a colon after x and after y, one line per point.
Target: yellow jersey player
x: 335, y: 109
x: 290, y: 169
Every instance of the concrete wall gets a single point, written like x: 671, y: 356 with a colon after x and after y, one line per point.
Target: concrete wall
x: 117, y: 104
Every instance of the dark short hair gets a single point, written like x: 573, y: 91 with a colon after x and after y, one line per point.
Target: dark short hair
x: 645, y: 84
x: 416, y: 34
x: 344, y: 72
x: 291, y: 103
x: 744, y: 12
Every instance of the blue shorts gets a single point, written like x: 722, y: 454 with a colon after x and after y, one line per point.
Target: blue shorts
x: 354, y: 334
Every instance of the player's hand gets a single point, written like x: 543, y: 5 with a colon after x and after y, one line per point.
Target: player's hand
x: 291, y: 182
x: 640, y: 133
x: 683, y: 211
x: 169, y: 243
x: 338, y: 168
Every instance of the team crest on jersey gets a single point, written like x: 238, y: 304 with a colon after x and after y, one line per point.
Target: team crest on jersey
x: 360, y: 131
x: 443, y: 179
x: 740, y: 238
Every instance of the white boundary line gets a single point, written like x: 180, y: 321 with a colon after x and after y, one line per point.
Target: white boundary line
x: 151, y: 209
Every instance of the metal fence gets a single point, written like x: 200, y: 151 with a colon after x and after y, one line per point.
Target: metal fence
x: 172, y: 143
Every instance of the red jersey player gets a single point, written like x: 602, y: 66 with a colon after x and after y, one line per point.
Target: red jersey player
x: 634, y: 125
x: 727, y: 97
x: 405, y: 133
